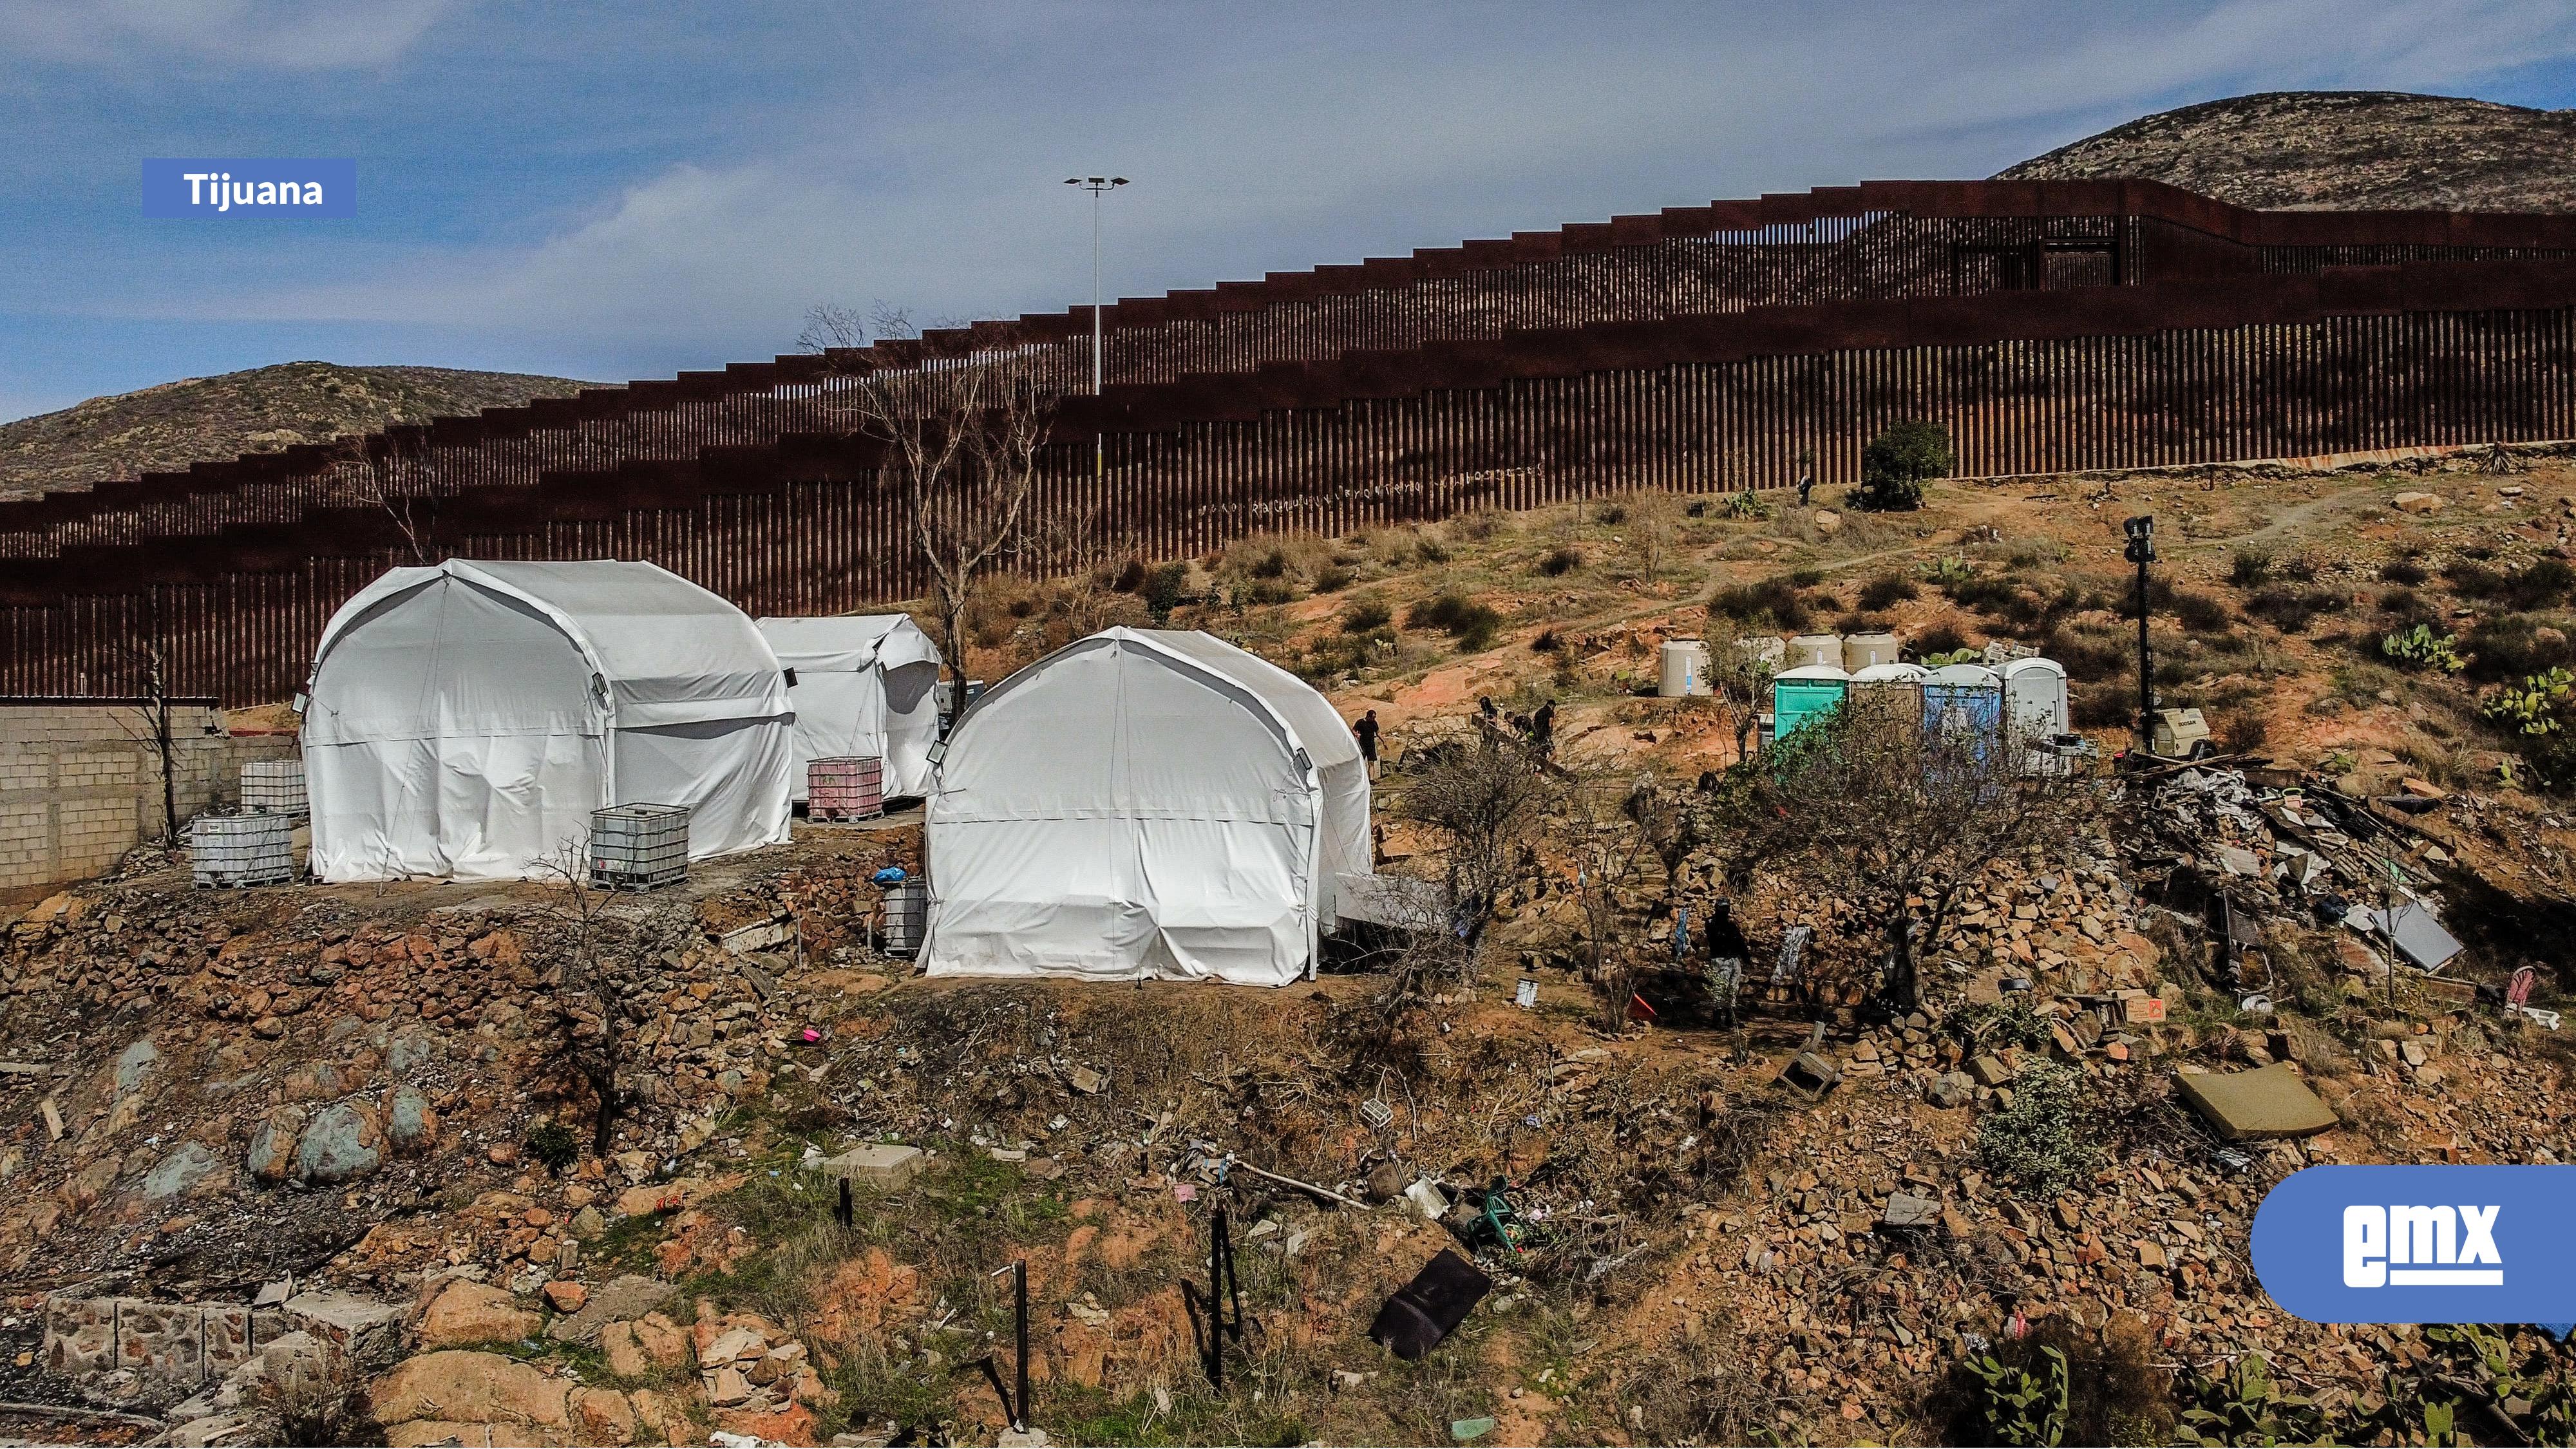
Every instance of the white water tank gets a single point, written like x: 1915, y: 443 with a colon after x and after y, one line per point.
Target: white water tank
x: 1685, y: 669
x: 1808, y: 650
x: 1864, y: 651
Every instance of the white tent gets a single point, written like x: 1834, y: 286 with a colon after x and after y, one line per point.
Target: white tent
x: 464, y: 720
x: 1143, y: 803
x: 864, y: 686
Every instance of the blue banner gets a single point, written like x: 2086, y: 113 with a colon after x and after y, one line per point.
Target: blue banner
x: 250, y: 186
x: 2421, y: 1244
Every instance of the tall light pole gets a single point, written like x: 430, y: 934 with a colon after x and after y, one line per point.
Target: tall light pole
x: 1097, y: 186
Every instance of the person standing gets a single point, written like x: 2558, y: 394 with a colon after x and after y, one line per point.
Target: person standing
x: 1366, y: 732
x: 1543, y: 728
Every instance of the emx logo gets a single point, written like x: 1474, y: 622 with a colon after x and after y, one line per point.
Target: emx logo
x: 2416, y: 1247
x: 2420, y: 1244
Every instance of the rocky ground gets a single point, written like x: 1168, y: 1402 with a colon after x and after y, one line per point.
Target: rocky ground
x: 319, y: 1162
x: 2338, y: 150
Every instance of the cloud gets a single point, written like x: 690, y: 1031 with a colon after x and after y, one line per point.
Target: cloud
x: 917, y: 154
x: 287, y: 35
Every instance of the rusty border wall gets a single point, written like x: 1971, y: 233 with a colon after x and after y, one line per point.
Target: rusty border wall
x: 2050, y: 326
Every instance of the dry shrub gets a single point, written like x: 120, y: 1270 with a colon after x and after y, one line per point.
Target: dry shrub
x: 2116, y: 1394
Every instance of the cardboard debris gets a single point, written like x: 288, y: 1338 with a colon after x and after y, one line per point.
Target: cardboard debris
x: 2267, y: 1102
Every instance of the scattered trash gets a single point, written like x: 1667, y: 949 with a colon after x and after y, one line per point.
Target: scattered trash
x: 1426, y: 1195
x: 891, y: 875
x: 1793, y: 944
x: 1469, y: 1430
x: 1813, y: 1071
x: 1525, y: 996
x: 1423, y: 1312
x: 1376, y: 1114
x: 2418, y: 934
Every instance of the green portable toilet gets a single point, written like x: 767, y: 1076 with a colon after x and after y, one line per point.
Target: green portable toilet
x: 1805, y: 693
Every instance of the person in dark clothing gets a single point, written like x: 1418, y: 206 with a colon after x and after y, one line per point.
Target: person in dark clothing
x: 1543, y: 727
x: 1366, y: 733
x: 1725, y: 938
x: 1727, y: 953
x: 1806, y: 485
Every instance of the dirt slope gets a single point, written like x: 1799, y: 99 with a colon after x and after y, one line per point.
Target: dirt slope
x: 2339, y: 150
x: 202, y: 419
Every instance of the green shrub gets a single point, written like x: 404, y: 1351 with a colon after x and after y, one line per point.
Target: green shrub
x: 2511, y: 646
x: 1364, y: 616
x: 1470, y: 623
x: 1271, y: 565
x: 2534, y: 707
x: 2042, y: 1141
x: 553, y: 1144
x: 1746, y: 504
x: 2421, y: 648
x: 2244, y: 1406
x: 1333, y: 578
x: 1898, y: 462
x: 2022, y: 1407
x: 2405, y: 571
x: 1163, y: 588
x: 1886, y: 591
x: 2250, y: 567
x: 1774, y: 599
x: 1563, y: 559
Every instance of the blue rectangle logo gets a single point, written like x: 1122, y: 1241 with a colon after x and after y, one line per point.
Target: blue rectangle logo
x: 2423, y: 1244
x: 250, y: 186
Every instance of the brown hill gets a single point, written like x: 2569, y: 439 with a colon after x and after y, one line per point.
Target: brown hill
x: 204, y: 419
x: 2339, y: 151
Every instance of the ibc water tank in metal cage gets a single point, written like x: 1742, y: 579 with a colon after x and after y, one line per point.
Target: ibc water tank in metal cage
x: 845, y: 787
x: 638, y: 847
x: 274, y: 787
x: 242, y: 850
x: 907, y: 915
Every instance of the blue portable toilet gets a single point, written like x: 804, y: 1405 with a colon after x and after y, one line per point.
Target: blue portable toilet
x: 1964, y: 699
x: 1805, y: 693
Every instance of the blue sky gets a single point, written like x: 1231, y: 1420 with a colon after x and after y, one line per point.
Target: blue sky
x: 618, y: 190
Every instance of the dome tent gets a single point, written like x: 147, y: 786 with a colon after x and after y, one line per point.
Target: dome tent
x: 464, y: 720
x: 1143, y: 804
x: 864, y: 686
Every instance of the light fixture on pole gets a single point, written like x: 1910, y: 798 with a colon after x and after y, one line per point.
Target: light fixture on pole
x: 1097, y: 186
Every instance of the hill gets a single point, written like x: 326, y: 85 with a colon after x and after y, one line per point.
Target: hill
x: 2338, y: 151
x: 204, y: 419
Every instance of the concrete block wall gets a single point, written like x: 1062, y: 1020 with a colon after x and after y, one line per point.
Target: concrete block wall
x: 80, y: 782
x: 186, y: 1344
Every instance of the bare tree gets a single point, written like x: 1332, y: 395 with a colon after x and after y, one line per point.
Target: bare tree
x: 1738, y: 679
x: 390, y: 472
x: 960, y: 437
x: 589, y: 998
x: 1897, y: 818
x: 1481, y: 800
x: 1627, y: 834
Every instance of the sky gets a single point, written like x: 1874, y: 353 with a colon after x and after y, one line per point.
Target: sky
x: 620, y: 190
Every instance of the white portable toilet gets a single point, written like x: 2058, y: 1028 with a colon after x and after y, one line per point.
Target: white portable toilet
x: 1685, y: 669
x: 2035, y: 702
x: 1867, y: 651
x: 1895, y: 681
x: 1811, y: 650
